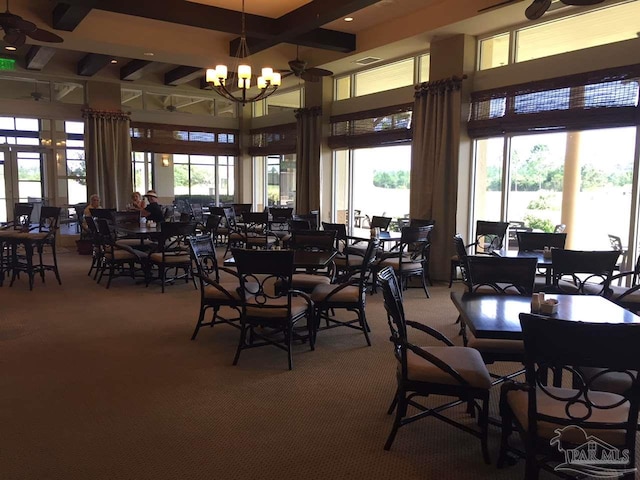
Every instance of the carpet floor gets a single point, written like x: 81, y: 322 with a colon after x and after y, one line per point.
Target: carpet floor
x: 106, y: 384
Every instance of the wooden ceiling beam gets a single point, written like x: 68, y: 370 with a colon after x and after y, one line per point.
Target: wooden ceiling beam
x: 134, y: 69
x: 188, y: 13
x: 92, y: 63
x: 182, y: 74
x: 37, y: 57
x: 308, y: 18
x: 67, y: 17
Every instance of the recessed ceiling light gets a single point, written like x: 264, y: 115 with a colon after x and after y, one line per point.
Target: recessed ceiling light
x: 113, y: 60
x: 348, y: 19
x: 11, y: 48
x: 148, y: 54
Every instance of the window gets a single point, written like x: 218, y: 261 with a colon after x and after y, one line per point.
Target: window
x: 599, y: 26
x: 367, y: 183
x: 581, y: 178
x: 398, y: 74
x: 204, y: 176
x: 274, y: 181
x: 281, y: 101
x: 76, y: 167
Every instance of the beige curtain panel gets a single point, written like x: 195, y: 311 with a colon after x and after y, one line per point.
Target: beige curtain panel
x: 108, y: 150
x: 308, y: 172
x: 434, y: 165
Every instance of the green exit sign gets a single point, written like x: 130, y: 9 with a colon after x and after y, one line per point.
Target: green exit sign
x: 7, y: 64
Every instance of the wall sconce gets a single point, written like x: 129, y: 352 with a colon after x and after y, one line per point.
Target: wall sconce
x: 165, y: 160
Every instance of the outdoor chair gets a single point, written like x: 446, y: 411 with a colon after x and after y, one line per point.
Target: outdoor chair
x: 559, y: 425
x: 446, y: 370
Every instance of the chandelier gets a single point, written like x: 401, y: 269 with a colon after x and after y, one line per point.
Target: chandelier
x: 224, y: 81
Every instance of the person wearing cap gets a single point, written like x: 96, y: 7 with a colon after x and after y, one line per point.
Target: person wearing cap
x: 153, y: 211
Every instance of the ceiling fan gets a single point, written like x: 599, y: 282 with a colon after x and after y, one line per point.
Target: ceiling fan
x: 299, y: 68
x: 539, y: 7
x: 16, y: 30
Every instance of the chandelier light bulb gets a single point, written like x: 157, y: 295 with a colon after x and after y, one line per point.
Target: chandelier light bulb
x: 221, y: 71
x: 244, y: 71
x: 262, y: 82
x: 267, y: 73
x: 276, y: 79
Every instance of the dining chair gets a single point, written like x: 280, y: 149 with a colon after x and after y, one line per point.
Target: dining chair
x: 627, y: 292
x: 256, y: 231
x: 503, y: 276
x: 559, y: 425
x: 446, y: 370
x: 347, y: 293
x: 410, y: 257
x: 343, y: 261
x: 269, y: 313
x: 45, y: 238
x: 114, y: 258
x: 582, y: 272
x: 214, y: 294
x: 312, y: 241
x: 173, y: 253
x: 489, y: 237
x: 532, y: 241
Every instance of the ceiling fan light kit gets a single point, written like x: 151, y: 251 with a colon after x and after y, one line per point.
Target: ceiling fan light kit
x: 224, y: 83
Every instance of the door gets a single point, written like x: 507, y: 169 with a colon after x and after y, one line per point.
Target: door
x: 21, y: 178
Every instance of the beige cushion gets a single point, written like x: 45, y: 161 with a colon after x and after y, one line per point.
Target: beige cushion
x: 120, y: 255
x: 619, y: 290
x: 354, y: 261
x: 135, y: 242
x: 308, y: 281
x: 466, y: 361
x: 490, y: 345
x: 518, y: 401
x: 614, y: 382
x: 298, y: 307
x: 169, y: 258
x: 348, y: 294
x: 394, y: 262
x: 212, y: 293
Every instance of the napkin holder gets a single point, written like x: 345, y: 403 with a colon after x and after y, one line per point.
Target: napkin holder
x: 549, y: 307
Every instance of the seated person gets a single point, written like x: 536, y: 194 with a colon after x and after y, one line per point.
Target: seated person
x: 137, y: 202
x: 153, y: 211
x: 94, y: 202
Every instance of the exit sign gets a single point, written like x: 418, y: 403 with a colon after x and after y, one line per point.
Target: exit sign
x: 7, y: 64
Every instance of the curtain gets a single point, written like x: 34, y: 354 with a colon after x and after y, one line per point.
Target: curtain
x: 308, y: 172
x: 434, y: 165
x: 108, y: 151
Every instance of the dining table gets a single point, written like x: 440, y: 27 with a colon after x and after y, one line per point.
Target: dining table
x: 307, y: 259
x: 496, y: 316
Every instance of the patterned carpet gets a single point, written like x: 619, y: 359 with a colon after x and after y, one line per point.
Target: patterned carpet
x: 105, y: 384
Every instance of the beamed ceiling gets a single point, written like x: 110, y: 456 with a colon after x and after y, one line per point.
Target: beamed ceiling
x: 173, y: 41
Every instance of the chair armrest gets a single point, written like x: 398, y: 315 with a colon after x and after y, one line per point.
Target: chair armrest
x: 431, y: 331
x: 300, y: 293
x: 216, y: 285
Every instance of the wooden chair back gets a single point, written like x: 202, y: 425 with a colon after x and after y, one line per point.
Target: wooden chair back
x: 492, y: 274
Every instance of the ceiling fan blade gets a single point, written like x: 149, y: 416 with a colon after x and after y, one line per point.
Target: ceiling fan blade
x: 309, y: 77
x: 581, y: 2
x: 15, y: 38
x: 318, y: 72
x: 44, y: 36
x: 537, y: 9
x: 9, y: 21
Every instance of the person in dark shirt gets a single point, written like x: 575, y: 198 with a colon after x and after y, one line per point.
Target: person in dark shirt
x: 153, y: 211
